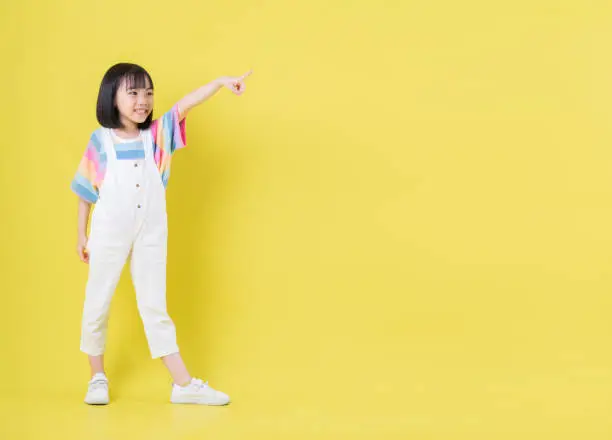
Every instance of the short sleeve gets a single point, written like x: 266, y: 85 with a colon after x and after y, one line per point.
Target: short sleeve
x: 169, y: 133
x: 90, y: 172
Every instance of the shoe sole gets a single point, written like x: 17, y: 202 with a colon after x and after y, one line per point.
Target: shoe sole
x: 196, y: 402
x: 97, y: 403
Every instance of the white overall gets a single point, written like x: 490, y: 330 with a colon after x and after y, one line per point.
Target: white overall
x: 130, y: 215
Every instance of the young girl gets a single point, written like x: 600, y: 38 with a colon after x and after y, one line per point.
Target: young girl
x: 124, y: 172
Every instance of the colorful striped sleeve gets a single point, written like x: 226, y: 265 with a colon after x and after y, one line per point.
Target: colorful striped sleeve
x: 90, y: 173
x: 168, y: 136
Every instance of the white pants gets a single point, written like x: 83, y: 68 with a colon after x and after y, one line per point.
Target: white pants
x: 129, y: 216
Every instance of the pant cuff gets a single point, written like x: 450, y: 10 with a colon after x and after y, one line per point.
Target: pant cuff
x: 156, y: 354
x: 91, y: 352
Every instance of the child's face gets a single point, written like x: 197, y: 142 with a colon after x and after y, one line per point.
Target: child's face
x: 134, y: 104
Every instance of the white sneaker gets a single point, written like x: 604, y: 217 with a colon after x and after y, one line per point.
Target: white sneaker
x: 97, y: 393
x: 198, y: 392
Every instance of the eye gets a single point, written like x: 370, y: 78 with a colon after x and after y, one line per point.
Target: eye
x: 132, y: 92
x: 150, y: 93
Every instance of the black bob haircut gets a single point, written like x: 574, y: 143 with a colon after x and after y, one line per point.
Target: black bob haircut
x: 135, y: 77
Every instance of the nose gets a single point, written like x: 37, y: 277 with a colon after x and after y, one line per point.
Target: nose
x: 143, y: 98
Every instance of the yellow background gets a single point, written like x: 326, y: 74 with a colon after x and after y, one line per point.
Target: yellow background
x: 401, y: 230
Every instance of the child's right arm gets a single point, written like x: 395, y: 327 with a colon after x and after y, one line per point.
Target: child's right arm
x: 83, y: 219
x: 85, y: 186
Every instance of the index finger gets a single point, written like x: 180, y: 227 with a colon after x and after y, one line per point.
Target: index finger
x: 247, y: 74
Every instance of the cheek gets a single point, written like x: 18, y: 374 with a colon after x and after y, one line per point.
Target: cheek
x: 120, y: 102
x: 124, y: 104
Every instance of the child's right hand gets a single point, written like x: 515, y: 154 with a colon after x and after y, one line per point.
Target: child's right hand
x: 82, y: 249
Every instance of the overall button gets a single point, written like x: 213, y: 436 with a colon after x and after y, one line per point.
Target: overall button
x: 139, y: 206
x: 138, y: 185
x: 135, y: 165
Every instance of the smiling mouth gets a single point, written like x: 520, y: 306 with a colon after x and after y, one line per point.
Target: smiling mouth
x: 142, y: 112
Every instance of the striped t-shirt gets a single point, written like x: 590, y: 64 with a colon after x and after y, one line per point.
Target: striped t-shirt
x: 168, y: 134
x: 130, y: 149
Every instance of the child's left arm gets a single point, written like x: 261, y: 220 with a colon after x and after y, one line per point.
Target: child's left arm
x: 198, y: 96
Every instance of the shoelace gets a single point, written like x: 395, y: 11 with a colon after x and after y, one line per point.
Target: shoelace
x: 199, y: 384
x: 97, y: 384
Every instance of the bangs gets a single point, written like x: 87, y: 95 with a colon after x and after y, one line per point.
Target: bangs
x: 138, y: 79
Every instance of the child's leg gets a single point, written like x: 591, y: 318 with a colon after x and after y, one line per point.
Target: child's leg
x: 105, y: 265
x: 177, y: 369
x: 96, y: 364
x: 148, y: 268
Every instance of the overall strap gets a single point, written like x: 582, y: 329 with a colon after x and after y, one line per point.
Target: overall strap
x: 109, y: 146
x: 147, y: 140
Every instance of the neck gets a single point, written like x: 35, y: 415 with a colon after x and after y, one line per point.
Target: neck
x: 128, y: 128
